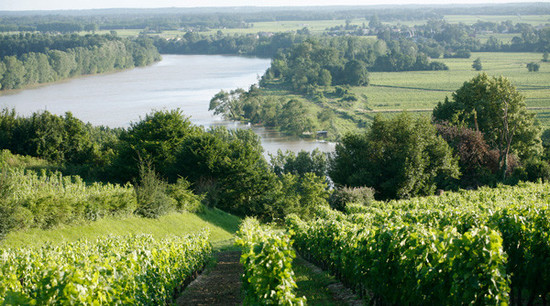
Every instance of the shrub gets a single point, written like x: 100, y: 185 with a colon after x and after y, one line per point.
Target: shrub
x: 186, y: 200
x: 342, y: 196
x: 152, y: 198
x: 533, y: 170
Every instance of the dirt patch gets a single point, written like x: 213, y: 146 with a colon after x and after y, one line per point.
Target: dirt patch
x: 220, y: 285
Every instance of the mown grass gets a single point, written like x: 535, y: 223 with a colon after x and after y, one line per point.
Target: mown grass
x: 222, y: 226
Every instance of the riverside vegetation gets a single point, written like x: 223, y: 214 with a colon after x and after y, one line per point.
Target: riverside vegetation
x: 377, y: 228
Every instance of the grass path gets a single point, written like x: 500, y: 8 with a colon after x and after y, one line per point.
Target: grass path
x: 219, y: 285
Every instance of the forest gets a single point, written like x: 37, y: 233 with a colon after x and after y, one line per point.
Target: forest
x: 34, y: 58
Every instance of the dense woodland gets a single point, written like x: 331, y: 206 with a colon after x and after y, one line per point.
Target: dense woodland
x: 34, y: 58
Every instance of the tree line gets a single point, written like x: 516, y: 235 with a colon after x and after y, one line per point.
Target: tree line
x: 163, y: 151
x: 468, y: 144
x: 438, y: 38
x: 29, y: 59
x: 482, y: 135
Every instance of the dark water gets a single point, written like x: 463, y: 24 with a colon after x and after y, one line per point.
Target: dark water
x: 187, y: 82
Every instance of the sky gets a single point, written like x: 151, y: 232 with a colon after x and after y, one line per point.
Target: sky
x: 17, y: 5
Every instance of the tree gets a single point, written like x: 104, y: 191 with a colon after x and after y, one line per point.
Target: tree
x: 229, y: 165
x: 533, y: 67
x: 299, y: 164
x: 157, y: 139
x: 475, y: 159
x: 477, y: 64
x: 400, y: 158
x: 356, y: 73
x: 14, y: 73
x: 494, y: 107
x: 295, y: 118
x: 545, y: 57
x: 228, y: 104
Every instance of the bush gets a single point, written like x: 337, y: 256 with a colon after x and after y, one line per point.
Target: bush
x: 267, y: 256
x: 7, y: 209
x: 533, y: 67
x: 342, y: 196
x: 186, y: 200
x: 533, y: 170
x: 152, y: 198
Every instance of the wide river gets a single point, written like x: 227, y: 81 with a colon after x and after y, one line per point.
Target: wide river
x: 187, y: 82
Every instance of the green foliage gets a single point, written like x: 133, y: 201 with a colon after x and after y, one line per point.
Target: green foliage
x: 267, y: 256
x: 533, y: 67
x: 533, y: 170
x: 295, y: 118
x: 408, y: 264
x: 31, y: 59
x: 229, y: 164
x: 299, y: 164
x: 137, y: 270
x: 157, y: 138
x: 292, y: 194
x: 322, y: 63
x: 399, y: 158
x: 519, y: 215
x: 44, y: 200
x: 61, y: 140
x: 228, y: 104
x: 290, y: 116
x: 186, y: 200
x: 477, y: 64
x: 356, y: 73
x: 151, y: 193
x: 343, y: 196
x: 493, y: 106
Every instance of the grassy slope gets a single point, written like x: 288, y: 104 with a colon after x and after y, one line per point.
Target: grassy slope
x: 221, y: 225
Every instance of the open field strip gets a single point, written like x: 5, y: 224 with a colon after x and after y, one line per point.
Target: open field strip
x: 221, y: 226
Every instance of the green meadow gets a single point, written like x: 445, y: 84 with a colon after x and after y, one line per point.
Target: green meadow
x: 422, y: 90
x: 471, y: 19
x: 221, y: 225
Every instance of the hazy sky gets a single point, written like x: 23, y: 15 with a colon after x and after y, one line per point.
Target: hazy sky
x: 91, y: 4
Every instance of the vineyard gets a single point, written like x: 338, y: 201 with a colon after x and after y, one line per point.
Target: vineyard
x: 267, y: 258
x: 490, y: 246
x: 45, y: 199
x: 137, y: 270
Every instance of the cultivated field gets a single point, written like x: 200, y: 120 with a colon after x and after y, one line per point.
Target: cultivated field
x: 422, y: 90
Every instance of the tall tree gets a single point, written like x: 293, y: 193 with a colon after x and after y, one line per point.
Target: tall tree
x: 400, y: 158
x: 494, y: 107
x: 477, y: 64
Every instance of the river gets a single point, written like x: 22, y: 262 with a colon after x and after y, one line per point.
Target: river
x: 187, y: 82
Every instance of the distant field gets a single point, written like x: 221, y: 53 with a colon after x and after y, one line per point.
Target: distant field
x: 394, y: 91
x: 319, y: 26
x: 471, y: 19
x: 314, y: 26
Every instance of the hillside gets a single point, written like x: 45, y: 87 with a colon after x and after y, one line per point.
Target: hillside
x: 221, y: 225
